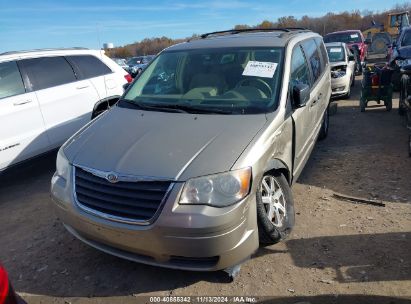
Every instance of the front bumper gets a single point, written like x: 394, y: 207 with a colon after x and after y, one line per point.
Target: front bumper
x: 182, y: 237
x: 340, y: 86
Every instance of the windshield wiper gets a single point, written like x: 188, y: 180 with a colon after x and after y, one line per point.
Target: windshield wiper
x: 193, y: 109
x: 179, y: 108
x: 154, y: 107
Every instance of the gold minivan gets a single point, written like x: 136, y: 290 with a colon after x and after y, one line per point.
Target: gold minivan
x: 192, y: 168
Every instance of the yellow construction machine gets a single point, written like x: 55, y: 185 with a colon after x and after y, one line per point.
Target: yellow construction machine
x: 381, y: 36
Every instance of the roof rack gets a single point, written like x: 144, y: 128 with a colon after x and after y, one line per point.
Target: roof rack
x: 238, y: 31
x: 43, y: 50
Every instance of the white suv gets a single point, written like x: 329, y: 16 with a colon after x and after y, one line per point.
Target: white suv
x: 47, y: 95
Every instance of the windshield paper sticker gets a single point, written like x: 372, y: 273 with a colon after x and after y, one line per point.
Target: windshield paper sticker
x: 260, y: 69
x: 354, y: 35
x: 335, y: 50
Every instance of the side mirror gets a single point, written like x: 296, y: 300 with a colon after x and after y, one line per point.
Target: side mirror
x: 351, y: 58
x: 301, y: 95
x: 368, y: 41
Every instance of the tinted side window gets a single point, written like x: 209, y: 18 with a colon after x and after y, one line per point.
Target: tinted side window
x: 89, y: 66
x: 47, y: 72
x: 313, y: 57
x: 10, y: 80
x: 300, y: 73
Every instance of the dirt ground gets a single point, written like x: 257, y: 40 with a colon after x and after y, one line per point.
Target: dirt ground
x: 339, y: 252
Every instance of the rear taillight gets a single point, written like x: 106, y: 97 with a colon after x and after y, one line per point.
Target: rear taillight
x: 128, y: 78
x: 4, y: 286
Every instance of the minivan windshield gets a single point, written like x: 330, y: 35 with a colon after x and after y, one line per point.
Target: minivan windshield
x: 348, y: 37
x: 336, y: 53
x: 220, y: 80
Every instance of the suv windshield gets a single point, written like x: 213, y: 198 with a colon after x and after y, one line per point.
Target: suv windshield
x: 228, y: 80
x: 336, y: 53
x: 406, y: 40
x: 134, y: 60
x: 350, y: 37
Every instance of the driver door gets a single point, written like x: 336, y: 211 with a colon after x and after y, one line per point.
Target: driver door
x: 303, y: 117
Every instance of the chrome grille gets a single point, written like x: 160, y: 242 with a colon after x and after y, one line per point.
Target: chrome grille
x: 128, y: 200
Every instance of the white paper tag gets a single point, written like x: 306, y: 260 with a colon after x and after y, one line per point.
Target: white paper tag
x: 354, y: 35
x: 260, y: 69
x: 335, y: 50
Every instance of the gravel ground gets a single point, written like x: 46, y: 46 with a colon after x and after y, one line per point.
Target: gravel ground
x: 339, y: 252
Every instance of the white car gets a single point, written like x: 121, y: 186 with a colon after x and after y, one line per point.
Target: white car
x: 342, y: 69
x: 47, y: 95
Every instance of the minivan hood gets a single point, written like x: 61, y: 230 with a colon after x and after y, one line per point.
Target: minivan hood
x: 176, y: 146
x: 338, y: 63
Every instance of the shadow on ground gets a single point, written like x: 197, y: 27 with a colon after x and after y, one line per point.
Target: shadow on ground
x: 340, y: 299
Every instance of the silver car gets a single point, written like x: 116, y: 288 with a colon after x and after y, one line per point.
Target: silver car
x: 193, y: 167
x: 342, y: 69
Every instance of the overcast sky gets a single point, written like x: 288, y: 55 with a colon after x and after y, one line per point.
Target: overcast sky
x: 89, y: 23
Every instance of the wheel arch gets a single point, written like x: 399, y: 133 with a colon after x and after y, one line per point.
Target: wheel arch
x: 278, y: 165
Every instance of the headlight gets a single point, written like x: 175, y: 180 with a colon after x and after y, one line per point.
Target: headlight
x: 62, y: 165
x: 219, y: 190
x: 401, y: 62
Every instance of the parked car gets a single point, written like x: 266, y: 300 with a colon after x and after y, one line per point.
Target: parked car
x: 121, y: 62
x: 342, y: 69
x: 222, y: 126
x: 401, y: 56
x: 355, y: 41
x: 7, y: 294
x: 137, y: 64
x: 47, y: 95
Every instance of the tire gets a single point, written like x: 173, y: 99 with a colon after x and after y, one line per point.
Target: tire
x: 362, y: 105
x: 403, y: 94
x: 272, y: 231
x: 379, y: 43
x: 409, y: 145
x: 353, y: 81
x: 388, y: 104
x: 325, y: 125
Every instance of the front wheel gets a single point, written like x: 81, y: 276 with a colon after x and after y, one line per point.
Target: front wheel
x: 403, y: 94
x: 275, y: 208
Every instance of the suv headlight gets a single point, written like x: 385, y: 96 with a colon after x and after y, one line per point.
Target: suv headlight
x: 219, y: 190
x: 401, y: 62
x: 62, y: 165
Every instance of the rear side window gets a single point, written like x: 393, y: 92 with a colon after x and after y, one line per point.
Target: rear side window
x: 300, y: 73
x: 323, y: 52
x: 47, y: 72
x: 313, y: 57
x: 10, y: 80
x: 89, y: 66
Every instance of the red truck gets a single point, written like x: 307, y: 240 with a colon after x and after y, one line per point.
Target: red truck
x: 354, y: 39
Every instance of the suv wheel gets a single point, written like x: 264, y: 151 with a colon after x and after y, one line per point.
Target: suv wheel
x: 275, y: 208
x: 403, y: 94
x: 325, y: 124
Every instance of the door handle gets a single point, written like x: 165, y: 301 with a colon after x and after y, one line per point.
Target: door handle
x: 22, y: 102
x: 319, y: 97
x: 82, y: 87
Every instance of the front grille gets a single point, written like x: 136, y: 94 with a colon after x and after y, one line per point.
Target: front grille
x: 137, y: 201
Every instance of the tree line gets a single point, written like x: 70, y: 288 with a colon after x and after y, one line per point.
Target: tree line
x: 330, y: 22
